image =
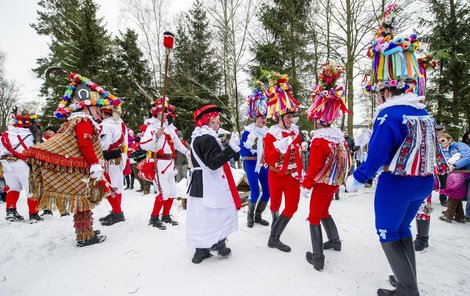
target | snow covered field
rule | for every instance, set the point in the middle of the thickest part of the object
(136, 259)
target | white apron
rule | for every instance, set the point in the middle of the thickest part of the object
(213, 217)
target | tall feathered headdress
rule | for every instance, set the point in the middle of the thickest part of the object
(394, 64)
(256, 103)
(281, 100)
(328, 98)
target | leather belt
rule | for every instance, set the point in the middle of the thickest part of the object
(288, 172)
(251, 158)
(165, 156)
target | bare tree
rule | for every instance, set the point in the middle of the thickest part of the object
(9, 92)
(151, 19)
(232, 19)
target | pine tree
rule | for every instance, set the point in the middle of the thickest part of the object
(128, 68)
(79, 43)
(285, 51)
(449, 90)
(195, 74)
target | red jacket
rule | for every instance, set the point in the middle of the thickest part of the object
(279, 163)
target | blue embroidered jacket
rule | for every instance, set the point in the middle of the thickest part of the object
(389, 133)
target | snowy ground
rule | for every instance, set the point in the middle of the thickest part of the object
(41, 259)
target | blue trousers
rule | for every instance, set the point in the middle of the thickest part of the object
(254, 179)
(397, 199)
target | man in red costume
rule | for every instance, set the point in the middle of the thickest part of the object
(329, 162)
(282, 152)
(13, 142)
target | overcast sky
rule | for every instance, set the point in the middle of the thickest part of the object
(23, 46)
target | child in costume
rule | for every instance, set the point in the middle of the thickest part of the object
(14, 142)
(162, 141)
(404, 144)
(329, 162)
(113, 138)
(252, 152)
(67, 170)
(213, 198)
(282, 153)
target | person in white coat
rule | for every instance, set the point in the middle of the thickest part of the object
(213, 200)
(113, 138)
(162, 141)
(14, 141)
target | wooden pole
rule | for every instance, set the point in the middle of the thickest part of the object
(167, 55)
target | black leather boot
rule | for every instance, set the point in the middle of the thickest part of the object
(396, 253)
(250, 215)
(106, 217)
(260, 207)
(316, 257)
(169, 220)
(332, 234)
(132, 181)
(47, 212)
(13, 215)
(200, 255)
(113, 219)
(422, 238)
(34, 218)
(275, 217)
(276, 231)
(155, 222)
(409, 250)
(222, 248)
(97, 239)
(127, 182)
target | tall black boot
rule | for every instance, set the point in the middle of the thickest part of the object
(132, 181)
(275, 217)
(402, 267)
(250, 215)
(276, 231)
(127, 182)
(409, 248)
(422, 238)
(260, 207)
(316, 257)
(332, 234)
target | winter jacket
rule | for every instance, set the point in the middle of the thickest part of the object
(455, 185)
(458, 147)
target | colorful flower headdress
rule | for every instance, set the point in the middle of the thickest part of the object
(82, 92)
(328, 98)
(394, 63)
(281, 100)
(256, 103)
(24, 119)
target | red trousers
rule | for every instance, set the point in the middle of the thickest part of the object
(159, 203)
(287, 185)
(12, 198)
(322, 195)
